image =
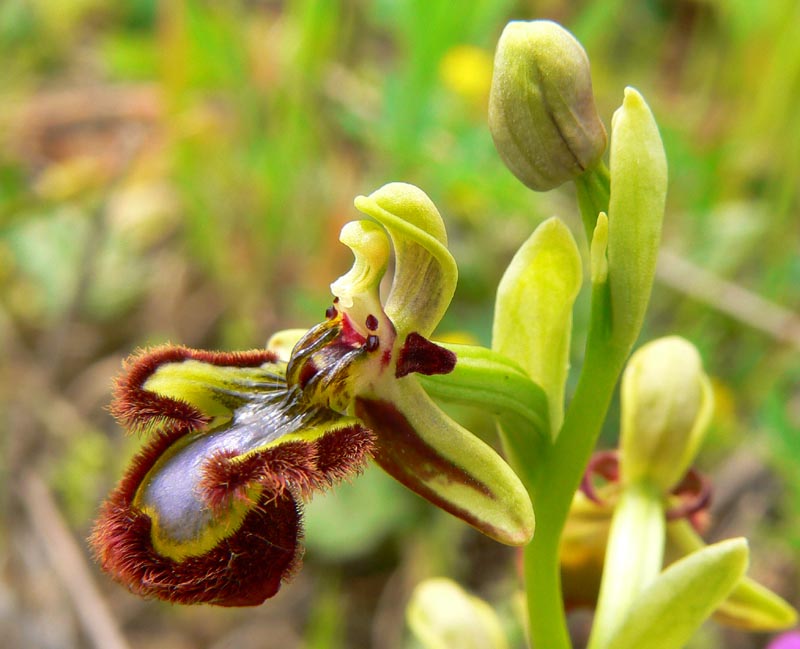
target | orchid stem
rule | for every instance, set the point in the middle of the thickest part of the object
(593, 189)
(565, 460)
(559, 478)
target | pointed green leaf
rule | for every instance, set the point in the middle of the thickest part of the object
(667, 614)
(533, 316)
(421, 447)
(598, 250)
(425, 273)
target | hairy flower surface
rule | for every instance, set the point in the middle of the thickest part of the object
(209, 510)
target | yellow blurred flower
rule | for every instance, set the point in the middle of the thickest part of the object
(466, 70)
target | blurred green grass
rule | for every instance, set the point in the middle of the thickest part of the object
(180, 170)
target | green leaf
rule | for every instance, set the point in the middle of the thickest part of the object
(598, 261)
(667, 614)
(533, 316)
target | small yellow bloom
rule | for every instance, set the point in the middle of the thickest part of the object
(466, 70)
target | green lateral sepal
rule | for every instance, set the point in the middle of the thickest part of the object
(421, 447)
(672, 608)
(750, 605)
(490, 381)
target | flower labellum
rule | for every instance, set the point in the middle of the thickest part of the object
(208, 510)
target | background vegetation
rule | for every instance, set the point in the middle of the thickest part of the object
(180, 170)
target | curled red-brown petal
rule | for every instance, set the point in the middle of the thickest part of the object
(604, 464)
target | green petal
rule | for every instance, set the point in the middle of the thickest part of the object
(754, 607)
(488, 380)
(421, 256)
(282, 342)
(358, 289)
(750, 605)
(533, 316)
(667, 404)
(428, 452)
(634, 554)
(667, 614)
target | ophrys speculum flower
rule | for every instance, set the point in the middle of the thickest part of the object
(209, 511)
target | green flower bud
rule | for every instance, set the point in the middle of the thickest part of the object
(542, 113)
(636, 210)
(442, 615)
(666, 406)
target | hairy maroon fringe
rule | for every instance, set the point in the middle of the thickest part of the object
(138, 409)
(299, 467)
(249, 566)
(243, 570)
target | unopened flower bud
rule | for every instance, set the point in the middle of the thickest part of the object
(542, 113)
(442, 614)
(635, 213)
(666, 406)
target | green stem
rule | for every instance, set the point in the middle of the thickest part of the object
(563, 463)
(558, 480)
(560, 475)
(593, 189)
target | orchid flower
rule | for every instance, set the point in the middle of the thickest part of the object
(654, 501)
(210, 509)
